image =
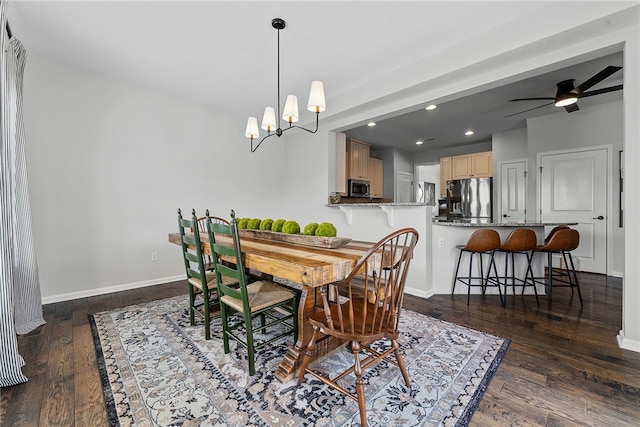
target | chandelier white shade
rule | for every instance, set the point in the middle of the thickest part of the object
(252, 128)
(271, 120)
(290, 112)
(316, 97)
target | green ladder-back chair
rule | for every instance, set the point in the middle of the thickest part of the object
(202, 224)
(203, 294)
(262, 298)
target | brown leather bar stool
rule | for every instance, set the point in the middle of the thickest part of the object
(553, 231)
(520, 241)
(561, 241)
(482, 242)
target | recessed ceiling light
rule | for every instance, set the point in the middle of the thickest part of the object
(469, 133)
(419, 142)
(371, 124)
(431, 107)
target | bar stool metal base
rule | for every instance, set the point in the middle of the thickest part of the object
(529, 279)
(483, 280)
(558, 277)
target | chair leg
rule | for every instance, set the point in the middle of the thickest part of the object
(455, 276)
(207, 315)
(513, 275)
(492, 262)
(401, 365)
(262, 323)
(308, 354)
(192, 310)
(225, 326)
(470, 270)
(530, 273)
(549, 275)
(575, 276)
(355, 347)
(484, 279)
(250, 346)
(506, 273)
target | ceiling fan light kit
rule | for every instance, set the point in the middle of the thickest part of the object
(271, 121)
(567, 95)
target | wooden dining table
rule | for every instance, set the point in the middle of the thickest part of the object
(303, 267)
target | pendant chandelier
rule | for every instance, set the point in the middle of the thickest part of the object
(290, 113)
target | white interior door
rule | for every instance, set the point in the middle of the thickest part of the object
(573, 188)
(513, 191)
(404, 187)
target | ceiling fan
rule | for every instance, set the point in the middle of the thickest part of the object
(567, 94)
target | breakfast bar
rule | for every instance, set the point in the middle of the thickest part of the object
(449, 233)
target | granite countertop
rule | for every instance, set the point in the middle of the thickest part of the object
(375, 204)
(463, 223)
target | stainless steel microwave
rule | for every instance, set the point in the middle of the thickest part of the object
(358, 188)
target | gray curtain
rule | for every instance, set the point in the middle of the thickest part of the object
(20, 301)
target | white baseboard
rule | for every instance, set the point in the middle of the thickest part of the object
(617, 274)
(418, 292)
(627, 344)
(110, 289)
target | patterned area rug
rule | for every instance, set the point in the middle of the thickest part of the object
(157, 370)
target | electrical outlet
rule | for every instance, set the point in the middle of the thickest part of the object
(441, 243)
(155, 256)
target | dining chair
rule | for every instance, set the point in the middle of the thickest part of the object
(203, 294)
(274, 304)
(363, 308)
(202, 226)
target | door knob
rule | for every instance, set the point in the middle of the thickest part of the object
(505, 215)
(599, 217)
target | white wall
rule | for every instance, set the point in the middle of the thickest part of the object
(509, 145)
(110, 163)
(596, 126)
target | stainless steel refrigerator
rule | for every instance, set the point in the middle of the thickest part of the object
(469, 200)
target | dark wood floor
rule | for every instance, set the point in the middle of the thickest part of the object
(563, 366)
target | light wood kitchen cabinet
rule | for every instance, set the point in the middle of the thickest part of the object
(445, 175)
(482, 165)
(475, 165)
(376, 177)
(341, 164)
(357, 160)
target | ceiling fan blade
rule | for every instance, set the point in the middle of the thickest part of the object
(597, 78)
(571, 108)
(531, 99)
(530, 109)
(600, 91)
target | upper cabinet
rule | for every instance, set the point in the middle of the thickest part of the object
(445, 175)
(341, 164)
(475, 165)
(376, 176)
(357, 160)
(482, 165)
